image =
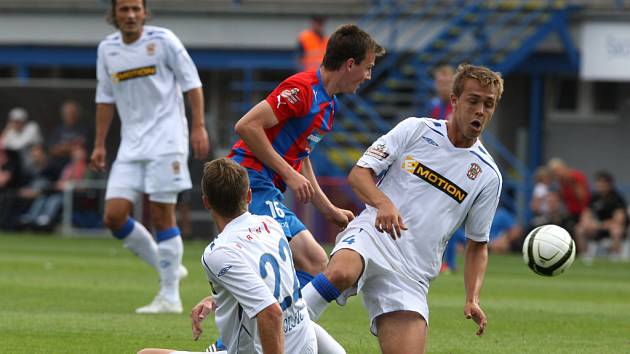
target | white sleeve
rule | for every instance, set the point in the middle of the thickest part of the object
(180, 62)
(227, 267)
(479, 219)
(386, 149)
(104, 91)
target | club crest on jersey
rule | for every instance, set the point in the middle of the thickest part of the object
(378, 151)
(290, 96)
(176, 167)
(151, 48)
(435, 179)
(473, 171)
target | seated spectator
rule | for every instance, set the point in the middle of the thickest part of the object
(10, 169)
(20, 134)
(604, 218)
(543, 178)
(45, 210)
(573, 187)
(69, 134)
(44, 175)
(555, 214)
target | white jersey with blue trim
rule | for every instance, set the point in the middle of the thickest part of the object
(145, 80)
(250, 266)
(436, 187)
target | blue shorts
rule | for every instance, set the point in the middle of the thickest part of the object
(267, 200)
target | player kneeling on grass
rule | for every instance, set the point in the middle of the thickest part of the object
(437, 175)
(256, 296)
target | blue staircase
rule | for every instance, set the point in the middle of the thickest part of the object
(424, 34)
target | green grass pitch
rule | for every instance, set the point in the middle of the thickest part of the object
(78, 295)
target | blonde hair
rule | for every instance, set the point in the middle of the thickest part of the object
(485, 76)
(225, 184)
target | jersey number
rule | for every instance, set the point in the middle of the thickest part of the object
(285, 255)
(275, 209)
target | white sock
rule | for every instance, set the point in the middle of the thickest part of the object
(315, 303)
(326, 344)
(170, 258)
(142, 244)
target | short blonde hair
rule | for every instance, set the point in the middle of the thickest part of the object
(485, 76)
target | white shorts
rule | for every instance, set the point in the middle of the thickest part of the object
(384, 289)
(162, 179)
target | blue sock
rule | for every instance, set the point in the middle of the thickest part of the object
(325, 288)
(125, 230)
(303, 278)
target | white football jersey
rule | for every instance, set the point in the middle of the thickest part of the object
(250, 266)
(435, 186)
(145, 80)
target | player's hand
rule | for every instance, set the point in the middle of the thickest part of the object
(389, 220)
(473, 311)
(97, 160)
(199, 313)
(339, 217)
(200, 144)
(300, 186)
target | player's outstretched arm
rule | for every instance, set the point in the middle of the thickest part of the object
(340, 217)
(475, 266)
(198, 134)
(199, 313)
(104, 116)
(269, 323)
(388, 218)
(251, 128)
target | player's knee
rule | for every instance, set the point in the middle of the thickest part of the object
(341, 277)
(114, 220)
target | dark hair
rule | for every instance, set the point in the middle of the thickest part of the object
(225, 184)
(111, 13)
(605, 176)
(349, 41)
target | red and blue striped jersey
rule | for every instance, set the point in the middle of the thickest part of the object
(305, 113)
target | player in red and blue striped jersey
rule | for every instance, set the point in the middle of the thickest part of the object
(279, 133)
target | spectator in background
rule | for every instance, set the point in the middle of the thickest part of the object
(20, 134)
(555, 213)
(44, 175)
(312, 45)
(573, 187)
(605, 217)
(70, 134)
(542, 187)
(443, 81)
(44, 211)
(10, 169)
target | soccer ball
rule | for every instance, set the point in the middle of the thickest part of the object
(548, 250)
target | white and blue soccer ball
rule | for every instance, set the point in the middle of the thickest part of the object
(548, 250)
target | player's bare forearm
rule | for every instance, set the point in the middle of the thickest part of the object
(362, 182)
(475, 264)
(320, 200)
(195, 100)
(104, 116)
(199, 134)
(251, 128)
(269, 323)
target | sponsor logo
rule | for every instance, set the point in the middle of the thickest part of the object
(473, 171)
(177, 168)
(290, 96)
(134, 73)
(378, 151)
(151, 48)
(224, 271)
(435, 179)
(430, 141)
